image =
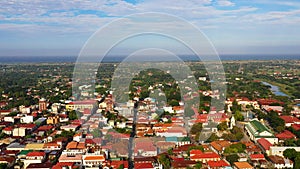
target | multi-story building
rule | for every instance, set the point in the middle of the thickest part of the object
(81, 105)
(53, 120)
(42, 104)
(257, 130)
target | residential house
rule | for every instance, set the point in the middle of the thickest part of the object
(222, 164)
(63, 118)
(5, 112)
(117, 164)
(35, 157)
(34, 146)
(290, 120)
(28, 127)
(64, 165)
(74, 148)
(296, 110)
(15, 146)
(285, 135)
(258, 160)
(265, 145)
(205, 157)
(269, 102)
(219, 146)
(182, 150)
(77, 137)
(53, 120)
(145, 148)
(183, 164)
(207, 118)
(76, 159)
(164, 146)
(46, 165)
(175, 131)
(70, 127)
(144, 166)
(19, 132)
(9, 119)
(276, 150)
(280, 162)
(9, 160)
(139, 161)
(52, 146)
(268, 108)
(93, 160)
(179, 141)
(242, 165)
(26, 119)
(251, 148)
(8, 130)
(244, 102)
(45, 129)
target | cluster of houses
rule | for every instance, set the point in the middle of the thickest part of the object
(48, 136)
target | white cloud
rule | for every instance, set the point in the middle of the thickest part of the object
(225, 3)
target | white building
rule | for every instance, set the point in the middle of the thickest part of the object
(26, 119)
(275, 150)
(257, 130)
(9, 119)
(34, 158)
(93, 160)
(24, 110)
(19, 132)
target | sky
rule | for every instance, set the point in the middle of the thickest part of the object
(62, 27)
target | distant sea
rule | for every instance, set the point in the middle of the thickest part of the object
(61, 59)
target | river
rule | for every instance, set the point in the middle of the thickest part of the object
(275, 89)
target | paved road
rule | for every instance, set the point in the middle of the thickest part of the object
(242, 126)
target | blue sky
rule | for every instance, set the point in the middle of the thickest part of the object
(61, 27)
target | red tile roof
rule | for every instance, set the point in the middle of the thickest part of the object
(264, 143)
(285, 135)
(296, 126)
(8, 128)
(208, 155)
(72, 145)
(268, 101)
(195, 152)
(60, 165)
(36, 153)
(290, 119)
(220, 163)
(87, 111)
(143, 165)
(45, 128)
(257, 157)
(27, 126)
(11, 152)
(116, 164)
(183, 164)
(7, 159)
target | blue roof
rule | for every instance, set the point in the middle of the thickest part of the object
(171, 139)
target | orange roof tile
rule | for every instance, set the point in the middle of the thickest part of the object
(95, 158)
(81, 146)
(72, 145)
(241, 165)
